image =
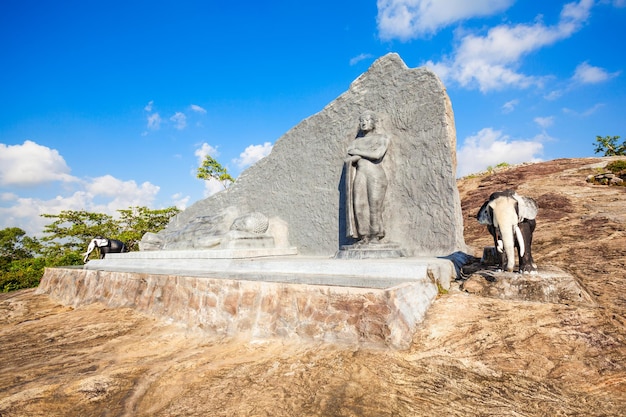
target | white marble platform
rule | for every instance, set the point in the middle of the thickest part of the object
(230, 253)
(230, 264)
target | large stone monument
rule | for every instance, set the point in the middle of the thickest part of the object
(368, 181)
(302, 183)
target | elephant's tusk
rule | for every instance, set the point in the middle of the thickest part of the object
(500, 246)
(520, 240)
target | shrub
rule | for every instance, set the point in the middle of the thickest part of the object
(617, 167)
(23, 273)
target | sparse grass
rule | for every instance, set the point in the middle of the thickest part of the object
(490, 170)
(617, 167)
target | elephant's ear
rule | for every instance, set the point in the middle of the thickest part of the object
(526, 207)
(484, 214)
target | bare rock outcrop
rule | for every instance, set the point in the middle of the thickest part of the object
(472, 356)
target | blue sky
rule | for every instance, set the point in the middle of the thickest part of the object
(107, 105)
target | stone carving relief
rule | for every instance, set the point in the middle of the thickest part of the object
(227, 229)
(254, 222)
(412, 131)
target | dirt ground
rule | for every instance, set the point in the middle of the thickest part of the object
(472, 356)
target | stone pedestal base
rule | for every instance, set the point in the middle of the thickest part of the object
(370, 251)
(374, 302)
(256, 309)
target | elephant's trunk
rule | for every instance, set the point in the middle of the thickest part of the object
(505, 219)
(90, 248)
(509, 246)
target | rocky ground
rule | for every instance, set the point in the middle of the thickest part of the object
(473, 356)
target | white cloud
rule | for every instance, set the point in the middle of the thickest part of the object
(544, 122)
(148, 106)
(212, 186)
(509, 106)
(26, 213)
(490, 61)
(109, 186)
(197, 109)
(553, 95)
(584, 74)
(204, 150)
(32, 164)
(180, 120)
(407, 19)
(180, 201)
(584, 113)
(252, 154)
(154, 121)
(102, 195)
(573, 14)
(8, 196)
(592, 110)
(490, 147)
(588, 74)
(360, 58)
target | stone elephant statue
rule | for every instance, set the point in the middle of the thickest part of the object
(510, 218)
(105, 246)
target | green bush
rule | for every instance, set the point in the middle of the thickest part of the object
(26, 273)
(617, 167)
(22, 273)
(23, 259)
(68, 259)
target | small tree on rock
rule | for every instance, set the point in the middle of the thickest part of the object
(609, 146)
(210, 168)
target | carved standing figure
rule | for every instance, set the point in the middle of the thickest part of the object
(366, 182)
(105, 246)
(510, 218)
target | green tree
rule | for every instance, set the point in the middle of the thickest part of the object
(72, 230)
(136, 221)
(14, 244)
(609, 146)
(23, 259)
(210, 168)
(18, 266)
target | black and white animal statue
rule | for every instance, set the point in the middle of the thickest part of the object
(510, 218)
(105, 246)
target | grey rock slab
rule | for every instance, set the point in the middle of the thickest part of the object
(548, 285)
(302, 180)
